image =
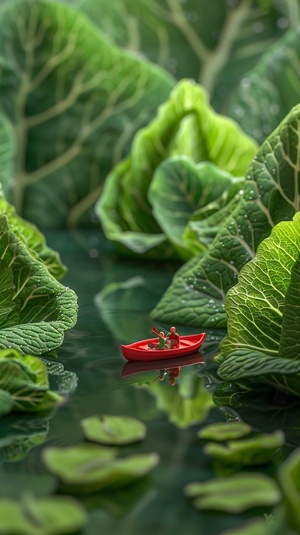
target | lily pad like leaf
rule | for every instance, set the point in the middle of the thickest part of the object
(86, 468)
(55, 515)
(222, 431)
(235, 494)
(197, 293)
(252, 451)
(114, 430)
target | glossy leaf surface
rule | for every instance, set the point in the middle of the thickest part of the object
(263, 310)
(185, 125)
(271, 194)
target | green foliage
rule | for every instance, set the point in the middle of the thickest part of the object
(55, 515)
(74, 101)
(33, 240)
(187, 126)
(223, 431)
(197, 293)
(214, 46)
(186, 404)
(20, 434)
(235, 494)
(86, 468)
(24, 384)
(285, 516)
(35, 309)
(113, 430)
(270, 89)
(288, 476)
(263, 314)
(251, 451)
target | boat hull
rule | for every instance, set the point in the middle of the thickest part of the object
(140, 351)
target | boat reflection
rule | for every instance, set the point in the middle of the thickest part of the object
(165, 368)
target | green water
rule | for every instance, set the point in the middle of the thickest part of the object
(173, 415)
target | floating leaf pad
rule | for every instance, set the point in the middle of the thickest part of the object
(57, 515)
(235, 494)
(251, 451)
(86, 468)
(115, 430)
(222, 431)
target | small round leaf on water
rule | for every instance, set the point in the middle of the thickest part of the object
(55, 515)
(222, 431)
(235, 494)
(86, 468)
(114, 430)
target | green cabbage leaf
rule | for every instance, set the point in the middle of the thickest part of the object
(35, 309)
(263, 340)
(75, 101)
(197, 293)
(132, 207)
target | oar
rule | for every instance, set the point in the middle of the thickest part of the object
(155, 331)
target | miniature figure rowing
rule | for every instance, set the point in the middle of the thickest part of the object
(169, 346)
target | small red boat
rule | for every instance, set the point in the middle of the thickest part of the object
(140, 350)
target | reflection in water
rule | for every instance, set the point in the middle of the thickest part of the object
(162, 366)
(19, 435)
(188, 402)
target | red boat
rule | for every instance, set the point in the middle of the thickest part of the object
(140, 350)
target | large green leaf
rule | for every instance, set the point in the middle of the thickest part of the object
(185, 125)
(35, 309)
(180, 191)
(271, 194)
(33, 240)
(7, 151)
(268, 91)
(263, 341)
(221, 43)
(25, 378)
(75, 101)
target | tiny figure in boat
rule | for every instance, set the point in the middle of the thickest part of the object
(162, 341)
(173, 338)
